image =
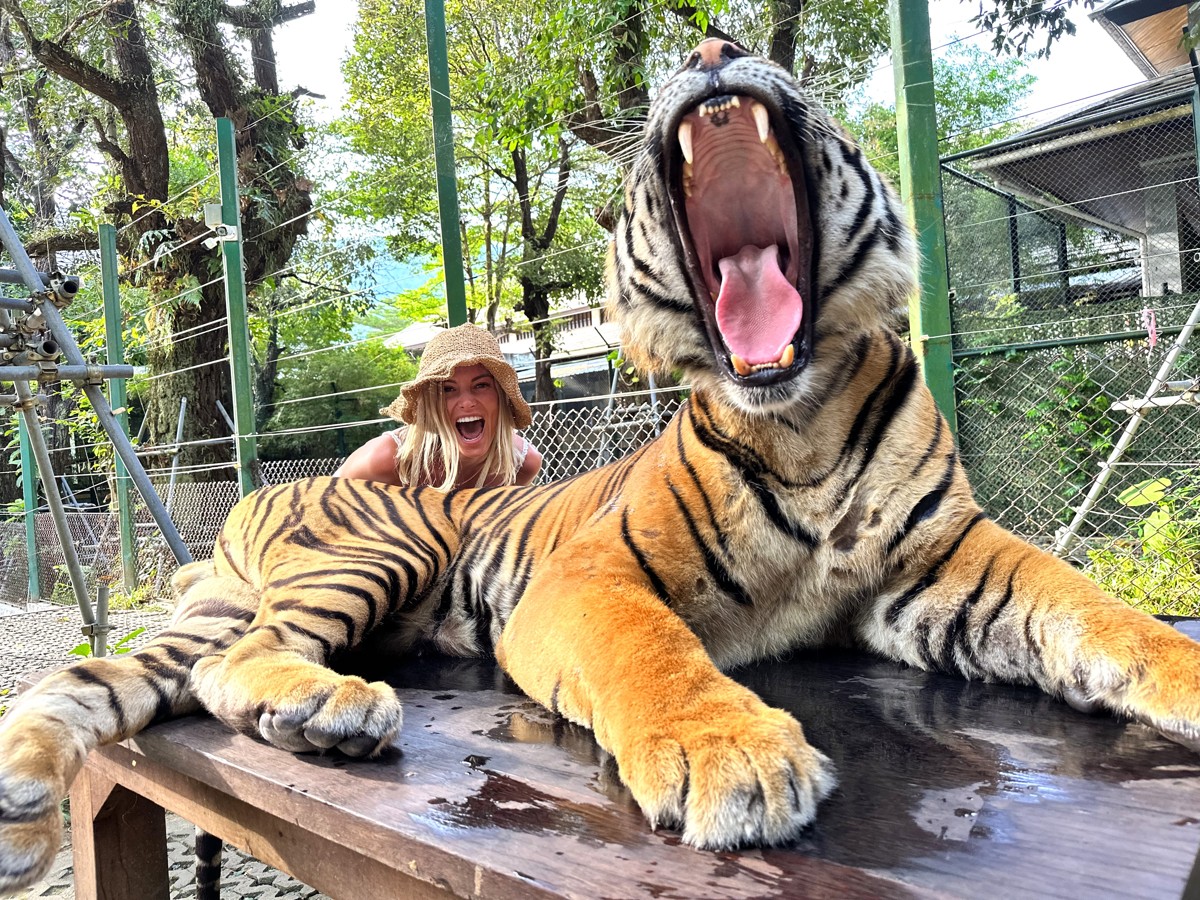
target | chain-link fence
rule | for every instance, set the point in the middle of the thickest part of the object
(573, 436)
(1075, 264)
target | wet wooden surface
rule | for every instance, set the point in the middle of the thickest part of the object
(947, 788)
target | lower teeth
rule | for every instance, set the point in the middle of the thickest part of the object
(744, 368)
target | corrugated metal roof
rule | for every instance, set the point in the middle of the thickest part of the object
(1170, 90)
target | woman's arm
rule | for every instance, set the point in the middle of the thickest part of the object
(530, 467)
(373, 461)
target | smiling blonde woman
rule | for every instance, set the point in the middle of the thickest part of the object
(461, 415)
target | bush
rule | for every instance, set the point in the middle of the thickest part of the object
(326, 390)
(1156, 568)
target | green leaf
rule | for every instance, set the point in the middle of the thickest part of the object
(126, 639)
(1145, 493)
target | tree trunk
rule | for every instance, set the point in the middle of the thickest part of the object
(194, 366)
(786, 16)
(536, 305)
(536, 287)
(188, 356)
(543, 384)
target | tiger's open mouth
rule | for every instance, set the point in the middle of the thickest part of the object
(741, 205)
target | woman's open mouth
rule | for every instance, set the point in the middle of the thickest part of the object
(470, 428)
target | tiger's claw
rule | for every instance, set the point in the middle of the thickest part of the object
(299, 707)
(727, 784)
(357, 718)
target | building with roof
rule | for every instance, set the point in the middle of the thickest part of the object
(584, 338)
(1100, 203)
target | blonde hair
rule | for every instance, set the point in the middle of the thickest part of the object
(429, 450)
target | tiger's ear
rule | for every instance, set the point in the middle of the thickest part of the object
(190, 574)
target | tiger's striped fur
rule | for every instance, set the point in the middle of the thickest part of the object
(818, 499)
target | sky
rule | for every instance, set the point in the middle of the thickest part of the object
(311, 49)
(1079, 67)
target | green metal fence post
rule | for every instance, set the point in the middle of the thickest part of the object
(29, 475)
(921, 188)
(1193, 24)
(115, 344)
(230, 234)
(443, 148)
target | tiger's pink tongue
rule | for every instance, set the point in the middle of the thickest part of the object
(758, 311)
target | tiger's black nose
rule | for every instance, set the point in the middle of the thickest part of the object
(712, 53)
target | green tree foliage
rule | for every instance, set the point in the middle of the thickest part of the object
(1015, 23)
(599, 64)
(977, 96)
(425, 303)
(309, 305)
(549, 99)
(525, 246)
(344, 384)
(132, 83)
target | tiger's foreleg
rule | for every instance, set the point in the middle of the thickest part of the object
(275, 682)
(333, 558)
(591, 641)
(993, 607)
(47, 735)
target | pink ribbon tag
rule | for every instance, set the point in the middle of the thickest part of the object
(1150, 323)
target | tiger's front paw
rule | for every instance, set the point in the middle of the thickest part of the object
(358, 718)
(30, 824)
(1151, 674)
(730, 778)
(302, 707)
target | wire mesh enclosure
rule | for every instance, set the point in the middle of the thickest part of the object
(573, 436)
(1075, 267)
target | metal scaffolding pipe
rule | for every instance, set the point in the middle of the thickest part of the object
(58, 328)
(175, 449)
(11, 399)
(47, 279)
(179, 425)
(22, 306)
(41, 455)
(64, 373)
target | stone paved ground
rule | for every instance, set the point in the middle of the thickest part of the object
(42, 639)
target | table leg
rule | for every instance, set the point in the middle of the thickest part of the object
(119, 842)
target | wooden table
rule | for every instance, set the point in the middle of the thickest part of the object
(947, 789)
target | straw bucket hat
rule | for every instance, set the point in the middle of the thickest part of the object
(466, 345)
